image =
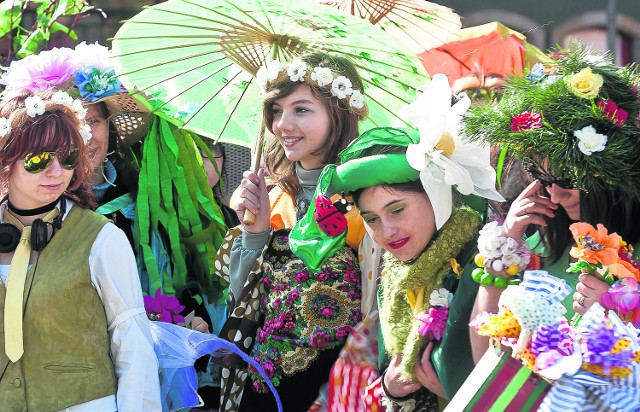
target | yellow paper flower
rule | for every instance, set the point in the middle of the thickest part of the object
(585, 83)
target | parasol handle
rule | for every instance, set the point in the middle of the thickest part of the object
(249, 218)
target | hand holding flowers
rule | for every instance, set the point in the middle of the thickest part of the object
(606, 257)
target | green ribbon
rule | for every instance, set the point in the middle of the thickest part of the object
(175, 200)
(116, 204)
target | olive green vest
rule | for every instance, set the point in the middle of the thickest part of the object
(66, 348)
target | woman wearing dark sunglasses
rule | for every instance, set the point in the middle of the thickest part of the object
(74, 335)
(573, 124)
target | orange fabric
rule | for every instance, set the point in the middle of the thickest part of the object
(490, 49)
(283, 215)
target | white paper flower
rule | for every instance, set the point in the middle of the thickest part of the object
(341, 87)
(322, 76)
(268, 73)
(85, 133)
(35, 106)
(5, 126)
(590, 141)
(95, 55)
(296, 71)
(79, 109)
(440, 297)
(356, 100)
(61, 97)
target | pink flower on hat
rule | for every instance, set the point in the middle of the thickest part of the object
(41, 71)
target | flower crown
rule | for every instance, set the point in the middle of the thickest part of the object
(579, 111)
(298, 71)
(36, 106)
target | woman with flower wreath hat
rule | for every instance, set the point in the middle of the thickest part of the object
(402, 182)
(299, 317)
(73, 330)
(117, 121)
(574, 124)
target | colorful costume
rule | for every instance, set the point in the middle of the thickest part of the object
(302, 317)
(439, 160)
(54, 376)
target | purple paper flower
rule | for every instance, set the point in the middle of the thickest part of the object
(434, 322)
(163, 308)
(40, 71)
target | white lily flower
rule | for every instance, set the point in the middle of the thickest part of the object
(441, 156)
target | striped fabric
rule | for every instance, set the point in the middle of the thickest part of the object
(588, 392)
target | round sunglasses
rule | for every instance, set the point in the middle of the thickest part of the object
(38, 162)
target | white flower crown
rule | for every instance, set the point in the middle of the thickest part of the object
(35, 106)
(341, 86)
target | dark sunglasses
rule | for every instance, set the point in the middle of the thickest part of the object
(547, 180)
(37, 162)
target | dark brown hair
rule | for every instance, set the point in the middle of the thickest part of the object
(344, 119)
(56, 130)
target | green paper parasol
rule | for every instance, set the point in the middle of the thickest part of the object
(196, 63)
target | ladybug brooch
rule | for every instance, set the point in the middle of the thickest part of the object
(330, 216)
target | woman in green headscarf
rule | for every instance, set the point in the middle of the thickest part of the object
(402, 181)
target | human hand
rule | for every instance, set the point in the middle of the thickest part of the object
(588, 291)
(253, 196)
(394, 383)
(530, 208)
(200, 325)
(425, 373)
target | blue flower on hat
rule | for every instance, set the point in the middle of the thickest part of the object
(94, 84)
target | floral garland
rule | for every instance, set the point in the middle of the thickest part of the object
(298, 71)
(401, 331)
(36, 106)
(579, 111)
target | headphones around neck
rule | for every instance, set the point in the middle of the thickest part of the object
(10, 234)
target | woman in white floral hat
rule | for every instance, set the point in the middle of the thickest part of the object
(312, 105)
(74, 332)
(573, 123)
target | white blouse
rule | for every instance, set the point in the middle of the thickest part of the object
(115, 277)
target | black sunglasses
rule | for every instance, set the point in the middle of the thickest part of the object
(37, 162)
(547, 180)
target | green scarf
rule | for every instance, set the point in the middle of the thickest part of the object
(406, 288)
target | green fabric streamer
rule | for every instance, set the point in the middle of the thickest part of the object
(175, 201)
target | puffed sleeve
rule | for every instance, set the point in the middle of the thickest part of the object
(115, 277)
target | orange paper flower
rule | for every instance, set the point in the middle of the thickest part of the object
(594, 246)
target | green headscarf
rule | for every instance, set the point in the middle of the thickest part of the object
(367, 161)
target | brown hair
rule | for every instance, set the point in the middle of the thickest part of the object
(344, 119)
(56, 130)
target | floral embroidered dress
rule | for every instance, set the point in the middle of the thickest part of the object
(305, 312)
(302, 318)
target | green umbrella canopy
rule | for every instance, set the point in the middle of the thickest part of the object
(196, 63)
